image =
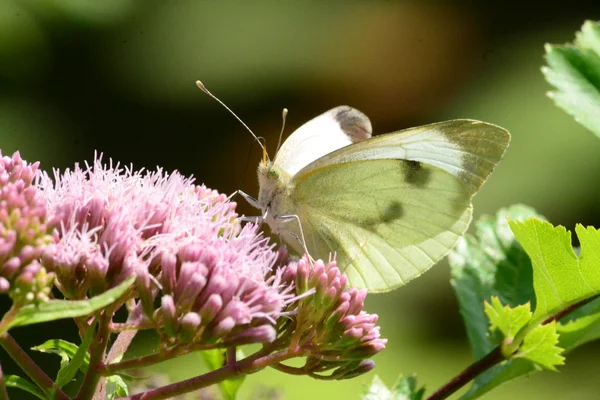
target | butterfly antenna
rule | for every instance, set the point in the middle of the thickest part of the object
(283, 118)
(205, 90)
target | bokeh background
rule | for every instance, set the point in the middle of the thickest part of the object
(117, 76)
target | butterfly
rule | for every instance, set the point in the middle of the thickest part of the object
(390, 206)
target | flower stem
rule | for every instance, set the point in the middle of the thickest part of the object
(29, 366)
(246, 366)
(289, 370)
(92, 377)
(3, 391)
(144, 361)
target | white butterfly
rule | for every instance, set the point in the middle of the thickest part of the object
(391, 206)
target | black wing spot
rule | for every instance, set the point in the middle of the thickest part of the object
(415, 173)
(390, 213)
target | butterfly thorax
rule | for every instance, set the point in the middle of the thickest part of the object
(273, 195)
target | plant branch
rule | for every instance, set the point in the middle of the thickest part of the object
(3, 391)
(92, 377)
(494, 357)
(289, 370)
(468, 374)
(29, 366)
(143, 361)
(568, 310)
(246, 366)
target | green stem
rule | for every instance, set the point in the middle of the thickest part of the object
(37, 375)
(3, 391)
(92, 375)
(246, 366)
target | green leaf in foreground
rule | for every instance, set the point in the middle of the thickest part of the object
(66, 350)
(215, 359)
(67, 372)
(560, 277)
(404, 389)
(13, 381)
(492, 263)
(574, 70)
(506, 319)
(538, 346)
(59, 309)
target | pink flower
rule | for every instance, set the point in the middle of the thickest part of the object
(331, 322)
(183, 242)
(24, 232)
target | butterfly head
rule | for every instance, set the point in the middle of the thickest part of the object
(272, 182)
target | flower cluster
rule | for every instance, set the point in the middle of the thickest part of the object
(183, 242)
(202, 280)
(24, 232)
(330, 321)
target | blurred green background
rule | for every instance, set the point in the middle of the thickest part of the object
(118, 76)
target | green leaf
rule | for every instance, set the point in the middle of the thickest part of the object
(377, 390)
(116, 387)
(490, 264)
(66, 350)
(581, 326)
(67, 373)
(404, 389)
(59, 309)
(574, 70)
(560, 277)
(506, 319)
(540, 346)
(215, 359)
(17, 382)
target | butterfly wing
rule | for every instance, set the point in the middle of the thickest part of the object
(393, 206)
(334, 129)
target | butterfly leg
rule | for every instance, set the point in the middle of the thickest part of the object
(251, 200)
(255, 220)
(254, 203)
(288, 218)
(260, 220)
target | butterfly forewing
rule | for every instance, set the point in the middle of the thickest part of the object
(465, 148)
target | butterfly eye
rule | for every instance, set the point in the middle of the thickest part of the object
(274, 174)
